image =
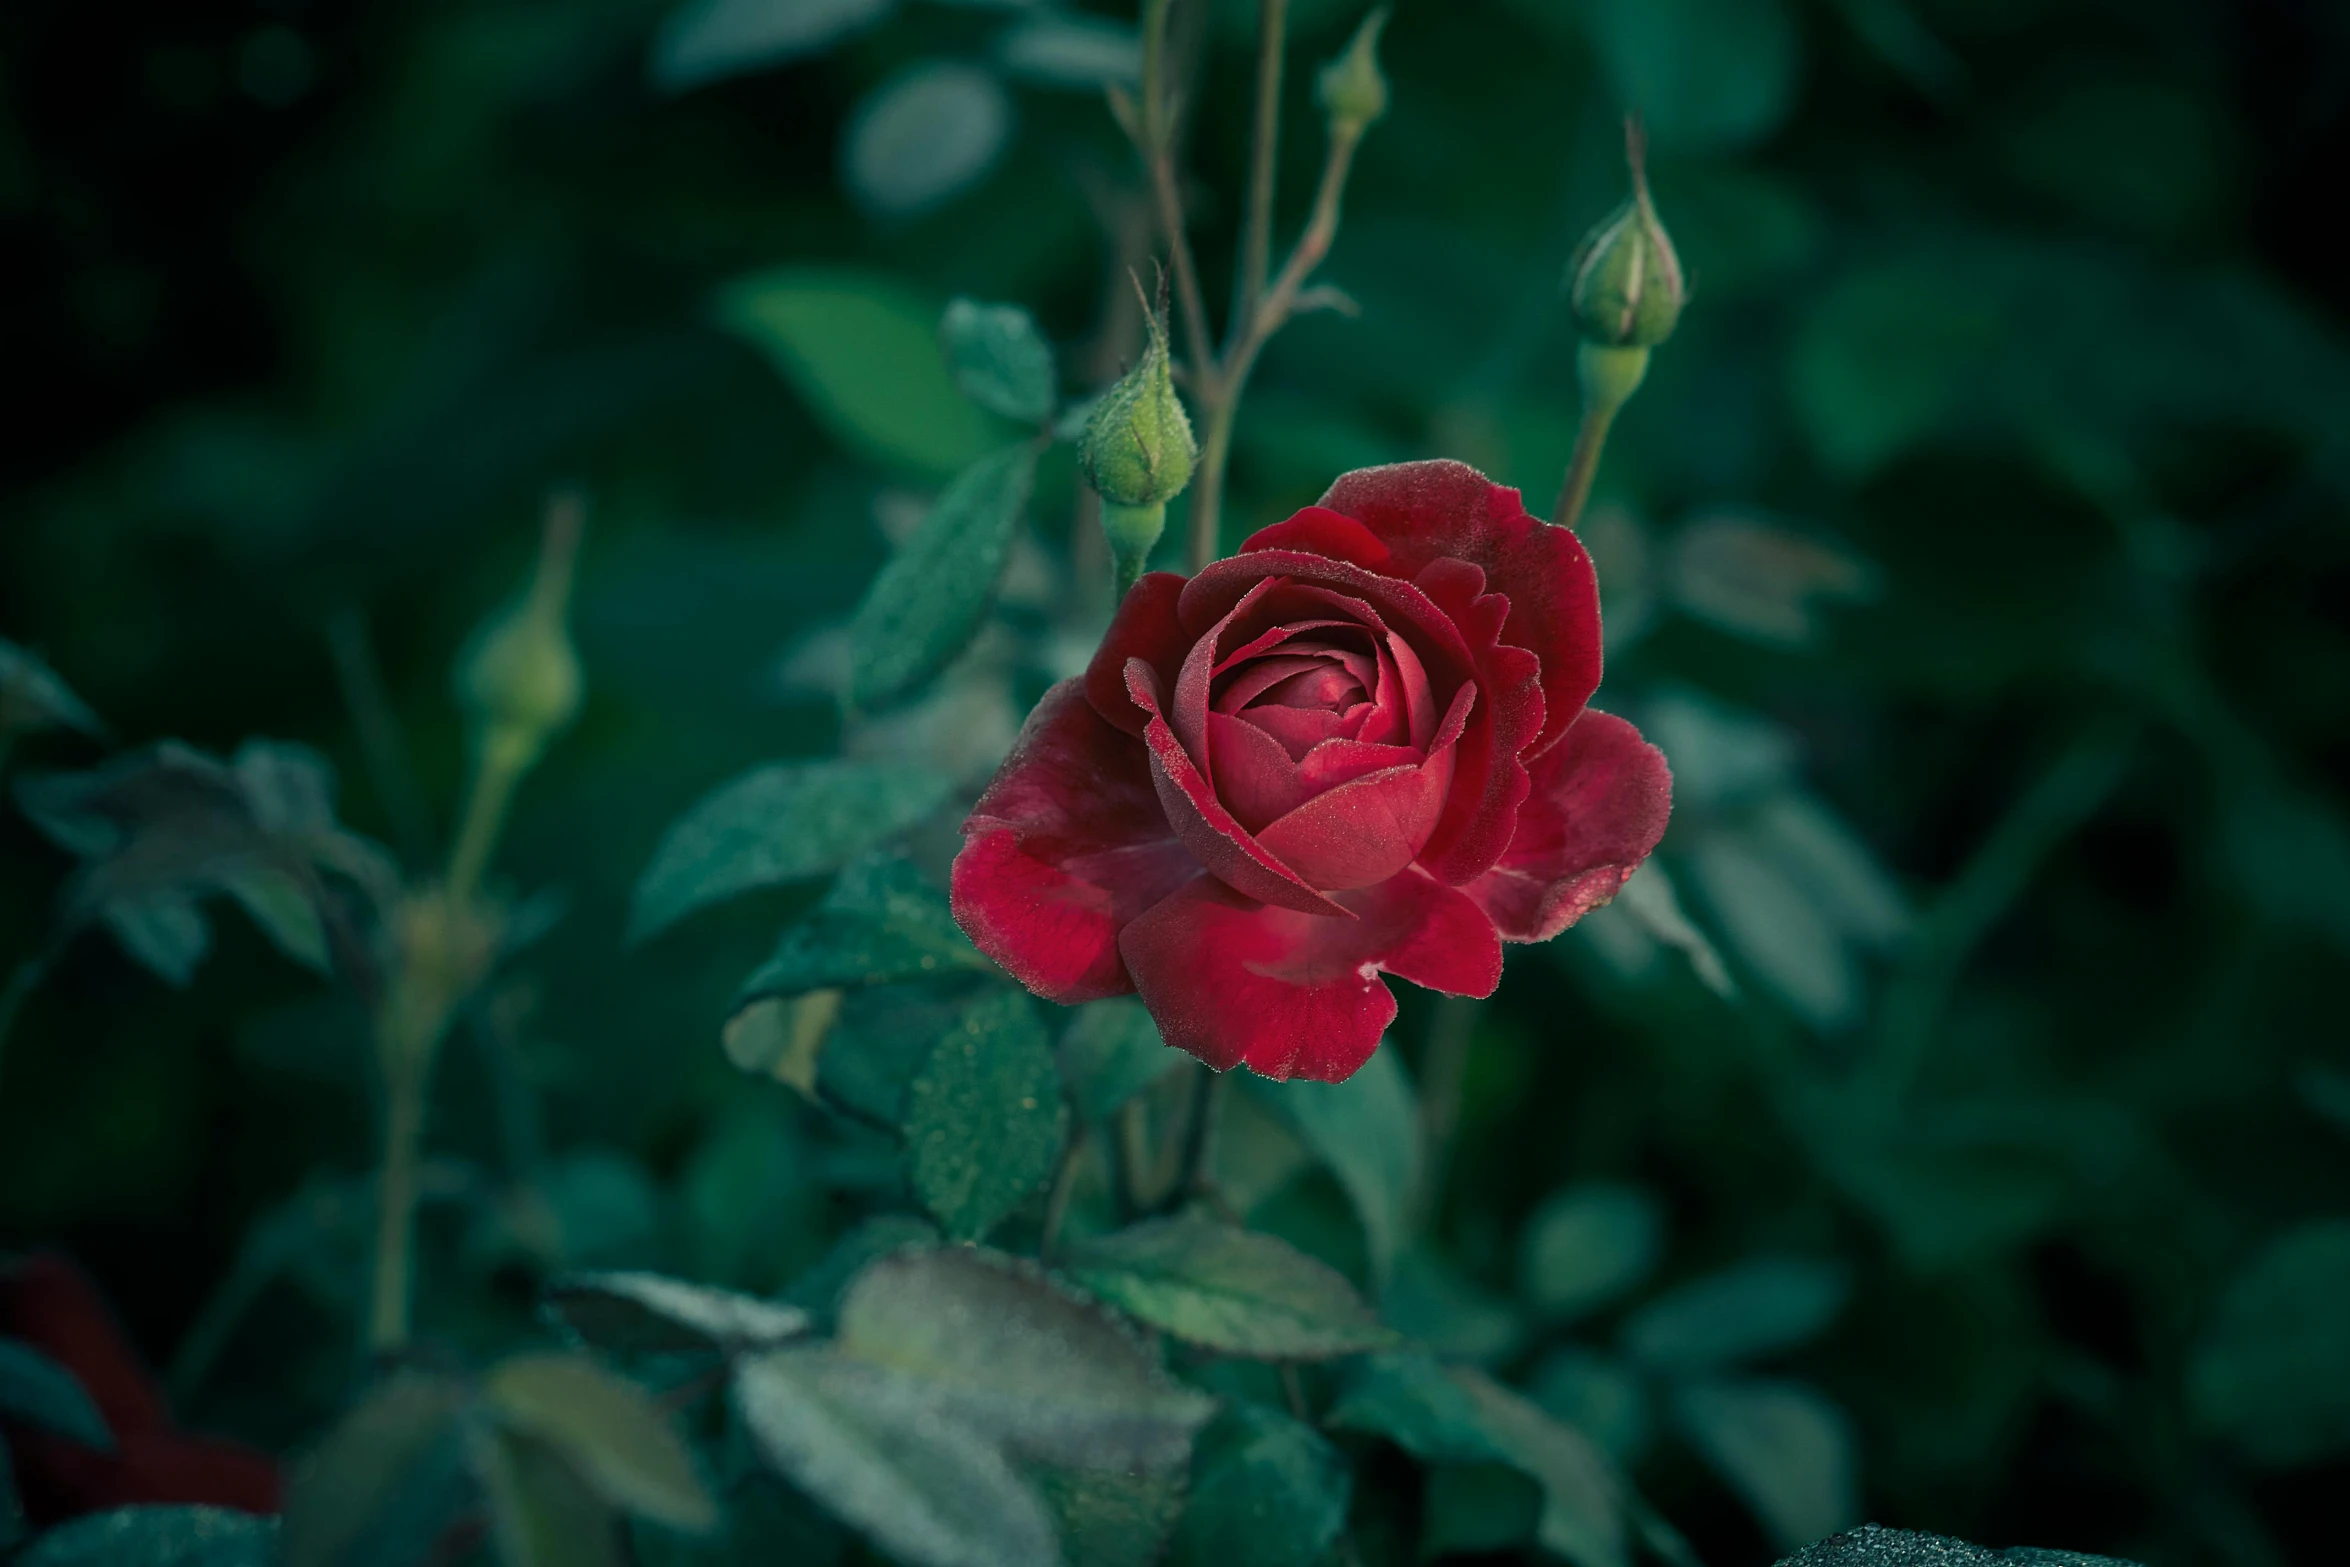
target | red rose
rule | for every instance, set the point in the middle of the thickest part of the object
(1358, 746)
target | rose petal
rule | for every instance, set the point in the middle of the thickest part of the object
(1365, 830)
(1145, 627)
(1068, 844)
(1207, 829)
(1297, 730)
(1482, 813)
(1601, 796)
(1320, 531)
(1237, 982)
(1425, 511)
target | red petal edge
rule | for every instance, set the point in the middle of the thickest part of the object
(1426, 511)
(1239, 983)
(1067, 845)
(1601, 798)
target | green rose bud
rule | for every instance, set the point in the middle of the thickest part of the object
(519, 678)
(1625, 283)
(1138, 449)
(1351, 88)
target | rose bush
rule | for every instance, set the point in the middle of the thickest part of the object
(1359, 746)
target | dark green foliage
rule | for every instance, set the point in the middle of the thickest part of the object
(1947, 1127)
(780, 823)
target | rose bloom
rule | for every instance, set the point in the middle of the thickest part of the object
(1359, 746)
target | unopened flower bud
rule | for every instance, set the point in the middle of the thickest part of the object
(1625, 283)
(519, 679)
(1138, 450)
(1351, 88)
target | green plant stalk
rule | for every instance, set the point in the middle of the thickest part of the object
(1219, 394)
(408, 1069)
(1126, 527)
(1609, 377)
(1196, 1175)
(502, 763)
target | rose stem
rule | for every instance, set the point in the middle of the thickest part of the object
(1590, 440)
(1260, 308)
(1196, 1179)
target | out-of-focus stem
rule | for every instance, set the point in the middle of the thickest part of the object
(1196, 1175)
(1256, 241)
(406, 1074)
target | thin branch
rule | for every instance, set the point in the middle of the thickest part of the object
(1256, 244)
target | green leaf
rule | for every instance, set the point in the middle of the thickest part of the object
(1597, 1395)
(387, 1480)
(782, 822)
(1071, 50)
(1475, 1508)
(1005, 1350)
(1238, 1291)
(819, 1291)
(619, 1439)
(707, 40)
(1367, 1130)
(862, 349)
(1874, 1545)
(165, 826)
(924, 1487)
(931, 596)
(984, 1115)
(1110, 1053)
(881, 923)
(1587, 1246)
(1106, 1518)
(1700, 73)
(999, 359)
(1757, 1308)
(543, 1511)
(648, 1314)
(158, 1537)
(928, 133)
(33, 697)
(1433, 1303)
(2273, 1371)
(1454, 1415)
(281, 906)
(1266, 1491)
(1788, 1452)
(38, 1391)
